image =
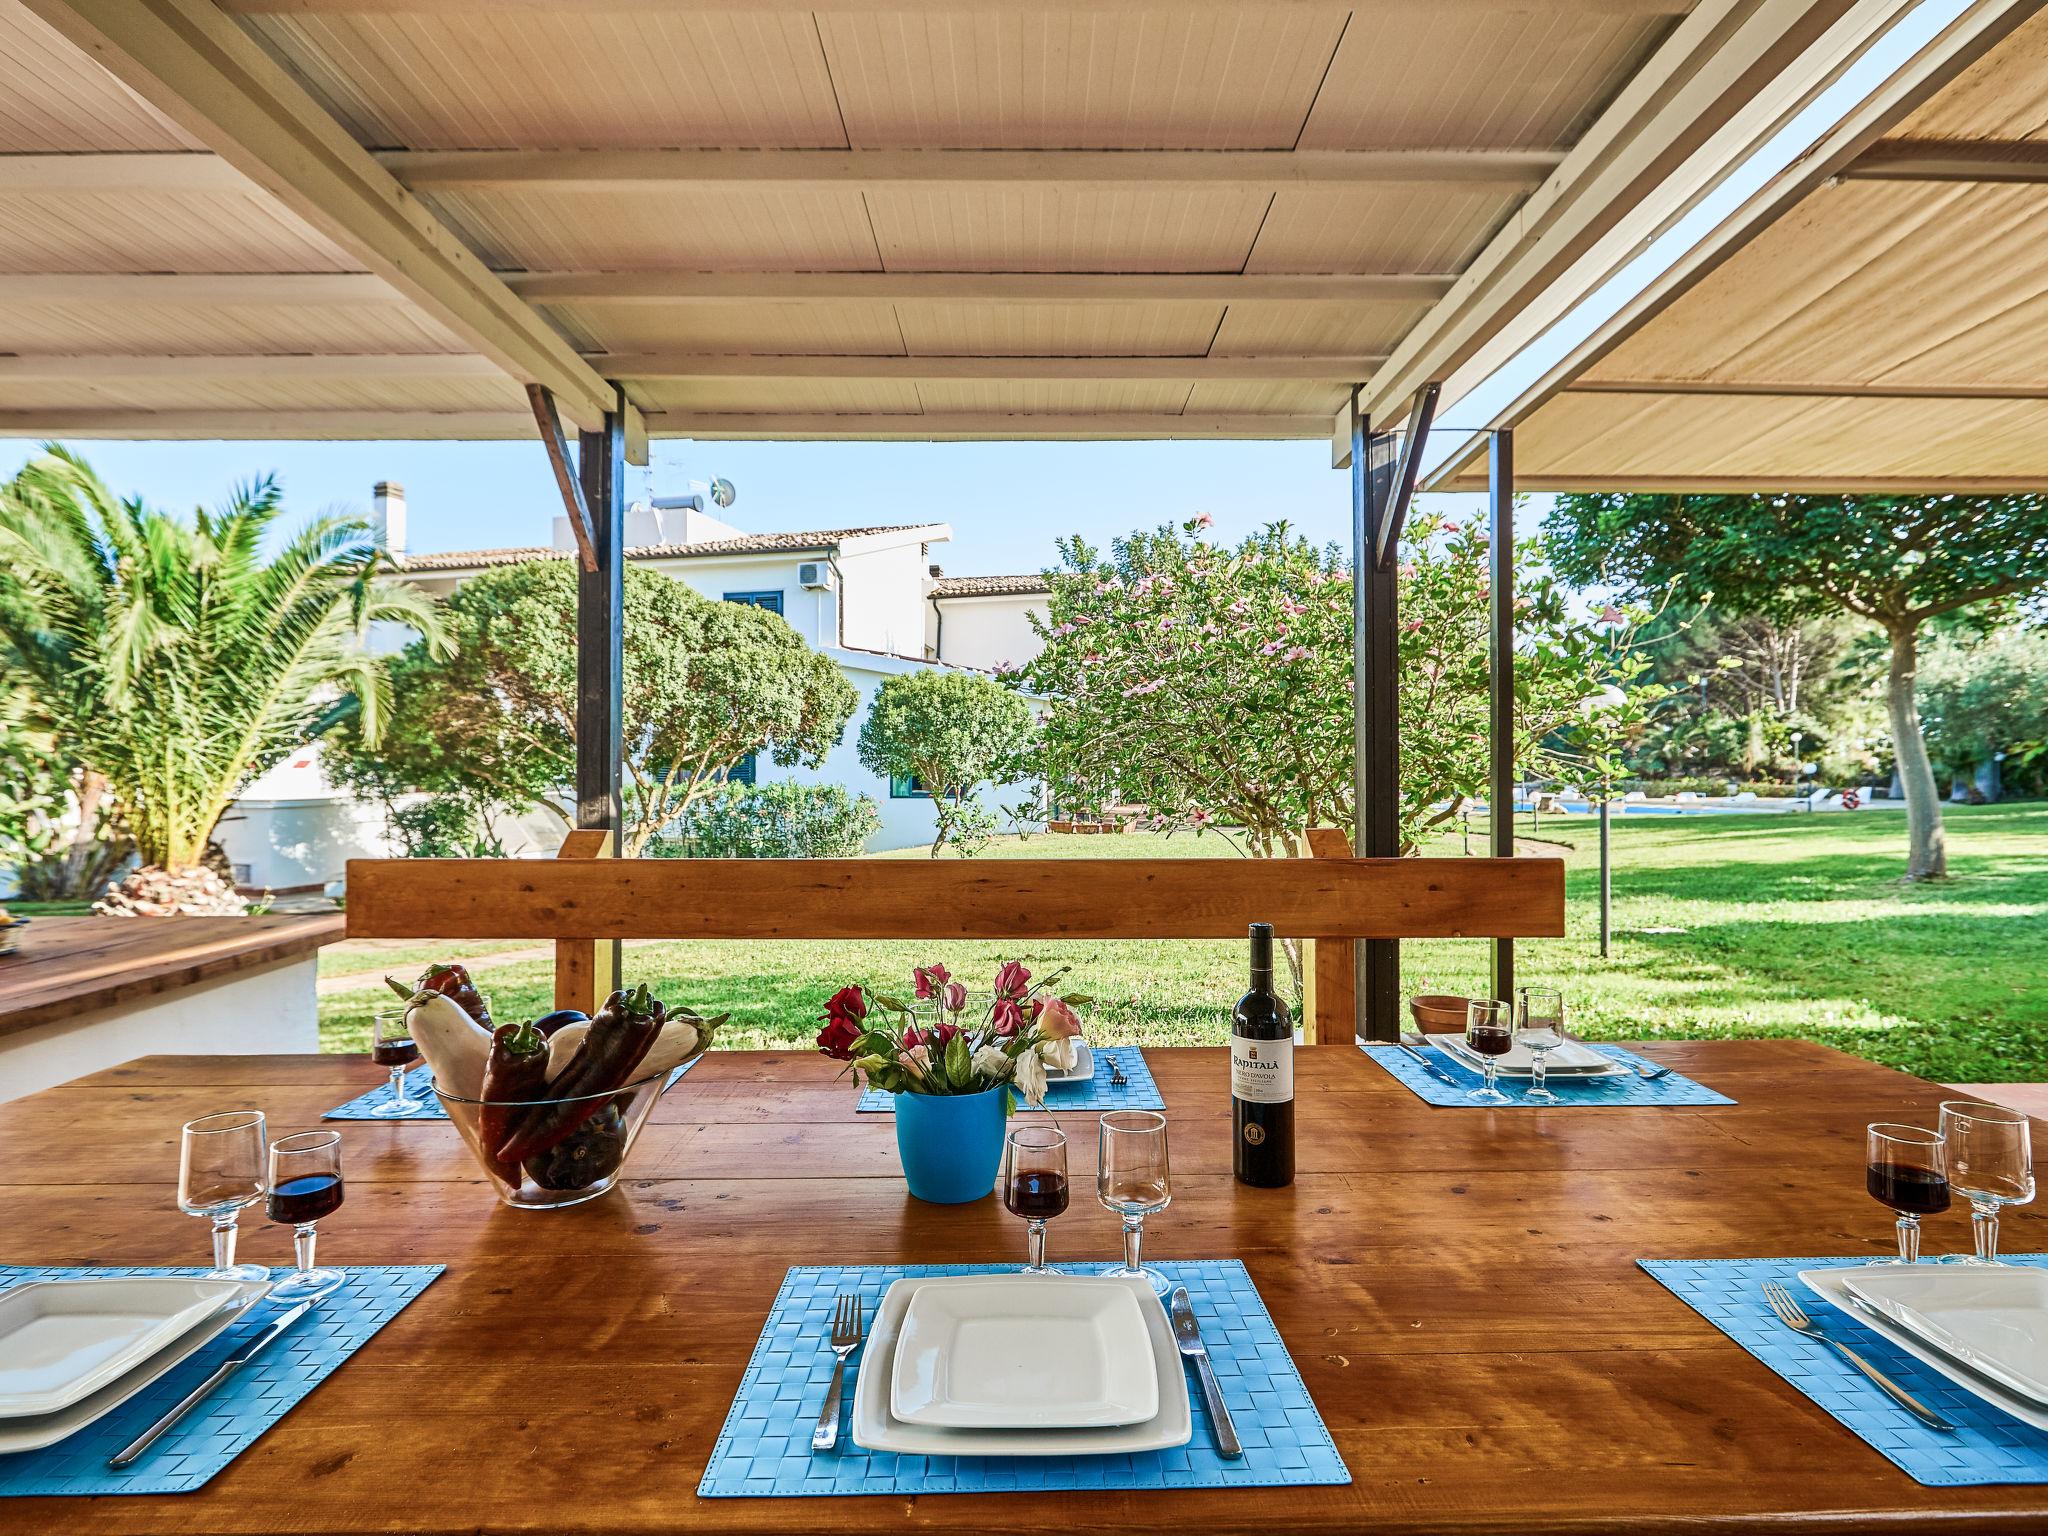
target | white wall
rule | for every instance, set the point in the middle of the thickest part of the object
(269, 1009)
(989, 632)
(883, 589)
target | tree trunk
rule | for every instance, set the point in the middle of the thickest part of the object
(1927, 857)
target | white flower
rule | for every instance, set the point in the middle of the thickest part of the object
(1059, 1052)
(991, 1062)
(1031, 1078)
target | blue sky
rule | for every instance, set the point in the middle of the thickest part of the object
(1006, 501)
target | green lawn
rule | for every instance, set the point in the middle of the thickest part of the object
(1785, 925)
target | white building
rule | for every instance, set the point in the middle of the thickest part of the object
(869, 598)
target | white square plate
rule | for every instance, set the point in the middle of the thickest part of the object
(1569, 1060)
(1084, 1066)
(1023, 1352)
(877, 1429)
(1992, 1318)
(61, 1340)
(1833, 1286)
(32, 1434)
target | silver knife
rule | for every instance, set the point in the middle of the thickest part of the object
(1187, 1333)
(1429, 1066)
(228, 1367)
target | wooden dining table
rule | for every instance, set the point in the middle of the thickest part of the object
(1458, 1287)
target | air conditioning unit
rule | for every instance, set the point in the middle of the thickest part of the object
(815, 575)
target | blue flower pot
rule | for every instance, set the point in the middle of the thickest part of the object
(951, 1144)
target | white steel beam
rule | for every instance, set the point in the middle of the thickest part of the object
(678, 287)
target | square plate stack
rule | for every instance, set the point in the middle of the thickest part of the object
(1020, 1365)
(72, 1351)
(1569, 1061)
(1982, 1326)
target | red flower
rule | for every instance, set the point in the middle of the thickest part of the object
(1006, 1016)
(1012, 980)
(930, 978)
(843, 1014)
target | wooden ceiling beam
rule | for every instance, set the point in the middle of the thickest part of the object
(54, 368)
(641, 170)
(2012, 162)
(126, 171)
(223, 290)
(1072, 426)
(194, 64)
(1805, 389)
(1084, 7)
(283, 423)
(698, 365)
(675, 287)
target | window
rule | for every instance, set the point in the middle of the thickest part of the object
(772, 601)
(741, 772)
(906, 786)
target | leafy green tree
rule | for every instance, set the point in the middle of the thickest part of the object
(955, 732)
(706, 684)
(55, 824)
(1980, 697)
(1213, 686)
(173, 657)
(1896, 561)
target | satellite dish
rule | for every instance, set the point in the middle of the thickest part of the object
(722, 492)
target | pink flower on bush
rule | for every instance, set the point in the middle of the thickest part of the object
(1296, 654)
(1198, 817)
(1412, 626)
(1204, 520)
(1611, 615)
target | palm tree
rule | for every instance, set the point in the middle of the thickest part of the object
(173, 657)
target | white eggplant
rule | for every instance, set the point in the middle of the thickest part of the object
(455, 1045)
(562, 1047)
(679, 1041)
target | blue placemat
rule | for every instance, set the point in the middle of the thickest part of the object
(240, 1409)
(1097, 1093)
(1989, 1446)
(1633, 1092)
(419, 1084)
(764, 1450)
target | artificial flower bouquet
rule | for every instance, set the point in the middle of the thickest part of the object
(948, 1041)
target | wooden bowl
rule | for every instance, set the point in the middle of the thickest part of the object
(1438, 1013)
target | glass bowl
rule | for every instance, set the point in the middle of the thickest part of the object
(580, 1168)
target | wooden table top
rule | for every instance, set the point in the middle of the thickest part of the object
(1457, 1286)
(72, 965)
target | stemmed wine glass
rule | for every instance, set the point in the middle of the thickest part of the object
(1990, 1159)
(1539, 1025)
(1035, 1185)
(1906, 1168)
(392, 1045)
(305, 1184)
(1132, 1179)
(1490, 1032)
(220, 1170)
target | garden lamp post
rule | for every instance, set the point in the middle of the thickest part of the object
(1609, 697)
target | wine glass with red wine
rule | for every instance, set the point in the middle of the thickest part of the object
(1907, 1170)
(392, 1045)
(1035, 1185)
(1490, 1033)
(305, 1184)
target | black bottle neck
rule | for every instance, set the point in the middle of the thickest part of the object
(1262, 958)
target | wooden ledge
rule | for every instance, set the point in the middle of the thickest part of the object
(75, 965)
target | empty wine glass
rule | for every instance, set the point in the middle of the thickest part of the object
(1539, 1026)
(1906, 1169)
(1035, 1185)
(305, 1184)
(1990, 1159)
(392, 1045)
(1490, 1032)
(220, 1170)
(1132, 1179)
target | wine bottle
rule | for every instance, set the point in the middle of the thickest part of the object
(1262, 1075)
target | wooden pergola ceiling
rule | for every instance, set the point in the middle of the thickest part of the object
(1887, 331)
(896, 218)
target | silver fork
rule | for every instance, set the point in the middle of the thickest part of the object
(1793, 1316)
(1651, 1074)
(1116, 1075)
(849, 1316)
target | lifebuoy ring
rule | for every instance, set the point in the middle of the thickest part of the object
(1850, 799)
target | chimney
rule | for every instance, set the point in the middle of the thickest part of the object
(387, 516)
(936, 571)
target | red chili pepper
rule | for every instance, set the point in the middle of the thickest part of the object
(623, 1032)
(516, 1074)
(452, 982)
